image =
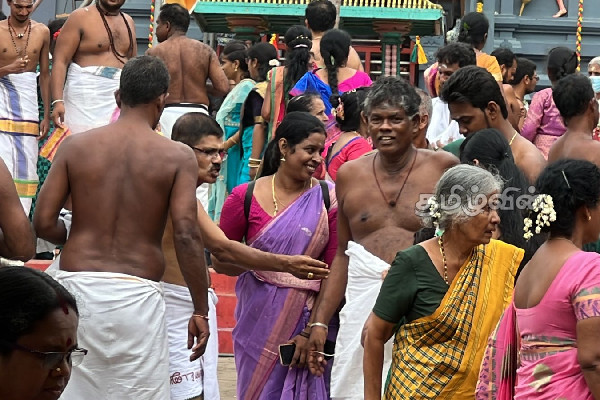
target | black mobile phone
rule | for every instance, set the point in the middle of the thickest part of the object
(286, 353)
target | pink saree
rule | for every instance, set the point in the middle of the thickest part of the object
(543, 366)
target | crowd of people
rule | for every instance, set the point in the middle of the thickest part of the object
(387, 240)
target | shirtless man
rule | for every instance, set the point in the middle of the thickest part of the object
(203, 134)
(24, 45)
(524, 83)
(319, 18)
(476, 103)
(576, 101)
(190, 62)
(124, 180)
(94, 44)
(376, 219)
(16, 235)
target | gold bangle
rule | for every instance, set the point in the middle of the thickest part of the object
(258, 160)
(200, 316)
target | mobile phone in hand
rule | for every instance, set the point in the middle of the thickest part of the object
(286, 353)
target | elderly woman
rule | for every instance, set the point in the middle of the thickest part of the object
(555, 310)
(443, 297)
(38, 339)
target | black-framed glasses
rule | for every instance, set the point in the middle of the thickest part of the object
(212, 153)
(50, 359)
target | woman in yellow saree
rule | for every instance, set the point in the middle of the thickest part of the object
(443, 297)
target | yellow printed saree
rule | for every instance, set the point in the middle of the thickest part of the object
(438, 356)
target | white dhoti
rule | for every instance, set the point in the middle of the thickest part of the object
(190, 379)
(122, 325)
(364, 283)
(19, 128)
(172, 112)
(89, 96)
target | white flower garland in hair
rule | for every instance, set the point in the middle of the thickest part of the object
(435, 214)
(543, 205)
(274, 62)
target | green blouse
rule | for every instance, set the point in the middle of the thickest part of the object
(412, 289)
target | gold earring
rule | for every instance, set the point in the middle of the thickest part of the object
(589, 217)
(235, 69)
(282, 159)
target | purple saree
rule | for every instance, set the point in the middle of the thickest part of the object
(274, 307)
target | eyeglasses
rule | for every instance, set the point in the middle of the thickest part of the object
(212, 153)
(50, 359)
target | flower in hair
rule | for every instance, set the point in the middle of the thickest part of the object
(274, 62)
(543, 205)
(466, 26)
(55, 35)
(435, 214)
(332, 59)
(339, 110)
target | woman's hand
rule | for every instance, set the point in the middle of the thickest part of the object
(301, 354)
(316, 344)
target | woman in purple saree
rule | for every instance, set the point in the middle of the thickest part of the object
(289, 213)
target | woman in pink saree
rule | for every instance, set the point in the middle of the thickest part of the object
(286, 211)
(546, 344)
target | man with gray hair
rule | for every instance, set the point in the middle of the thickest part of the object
(425, 112)
(376, 194)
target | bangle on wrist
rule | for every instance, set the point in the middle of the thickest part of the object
(319, 324)
(57, 101)
(304, 334)
(200, 316)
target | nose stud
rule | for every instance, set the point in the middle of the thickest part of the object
(58, 370)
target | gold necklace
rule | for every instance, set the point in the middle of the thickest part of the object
(441, 243)
(513, 138)
(275, 200)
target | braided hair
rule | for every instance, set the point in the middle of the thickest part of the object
(298, 40)
(335, 47)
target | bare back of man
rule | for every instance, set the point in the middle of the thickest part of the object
(527, 157)
(120, 198)
(190, 64)
(576, 145)
(353, 62)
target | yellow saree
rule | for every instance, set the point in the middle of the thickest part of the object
(438, 356)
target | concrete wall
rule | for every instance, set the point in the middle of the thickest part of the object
(536, 32)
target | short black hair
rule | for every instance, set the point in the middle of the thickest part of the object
(572, 185)
(320, 15)
(572, 94)
(473, 85)
(2, 16)
(395, 91)
(193, 126)
(27, 296)
(136, 88)
(525, 67)
(562, 61)
(457, 53)
(474, 26)
(504, 56)
(176, 15)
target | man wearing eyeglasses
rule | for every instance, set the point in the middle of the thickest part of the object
(190, 380)
(124, 180)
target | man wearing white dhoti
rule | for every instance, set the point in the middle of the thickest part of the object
(20, 125)
(90, 51)
(365, 273)
(191, 63)
(376, 219)
(113, 258)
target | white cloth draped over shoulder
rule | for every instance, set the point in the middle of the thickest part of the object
(364, 282)
(122, 325)
(89, 96)
(19, 129)
(442, 128)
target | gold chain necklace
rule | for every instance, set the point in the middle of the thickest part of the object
(275, 200)
(441, 243)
